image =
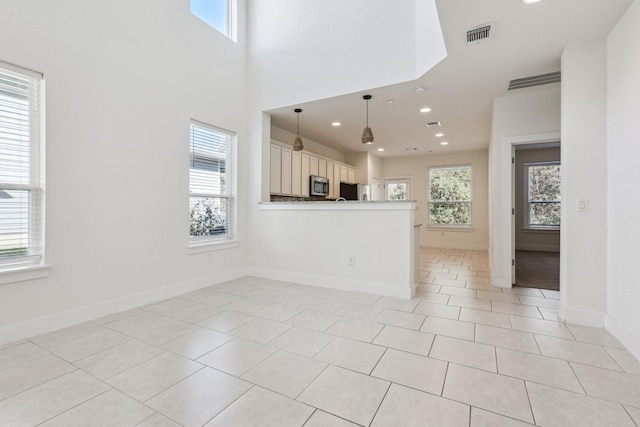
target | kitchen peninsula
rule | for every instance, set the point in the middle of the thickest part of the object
(368, 247)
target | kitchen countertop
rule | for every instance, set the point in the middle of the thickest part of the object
(342, 205)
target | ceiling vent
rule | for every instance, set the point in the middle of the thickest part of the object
(429, 124)
(479, 34)
(542, 79)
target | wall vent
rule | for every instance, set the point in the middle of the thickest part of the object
(479, 34)
(539, 80)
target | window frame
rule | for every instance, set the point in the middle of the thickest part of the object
(229, 193)
(431, 225)
(231, 20)
(392, 181)
(525, 199)
(30, 265)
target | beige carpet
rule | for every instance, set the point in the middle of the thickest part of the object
(538, 270)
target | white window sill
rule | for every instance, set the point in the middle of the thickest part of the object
(21, 274)
(463, 228)
(212, 246)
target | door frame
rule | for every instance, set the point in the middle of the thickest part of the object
(512, 142)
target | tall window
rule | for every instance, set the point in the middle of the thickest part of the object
(21, 173)
(450, 196)
(211, 184)
(543, 195)
(217, 13)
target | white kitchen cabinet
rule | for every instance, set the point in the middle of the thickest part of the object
(331, 194)
(296, 173)
(351, 173)
(313, 165)
(304, 173)
(275, 182)
(336, 181)
(322, 168)
(285, 185)
(344, 174)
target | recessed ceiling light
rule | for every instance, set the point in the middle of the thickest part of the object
(531, 1)
(439, 135)
(336, 124)
(444, 143)
(380, 149)
(390, 101)
(425, 109)
(420, 90)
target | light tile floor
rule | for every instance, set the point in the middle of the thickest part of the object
(255, 352)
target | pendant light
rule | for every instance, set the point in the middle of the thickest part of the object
(297, 143)
(367, 135)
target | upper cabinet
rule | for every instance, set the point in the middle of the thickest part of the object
(290, 171)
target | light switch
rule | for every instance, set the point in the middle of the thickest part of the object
(582, 205)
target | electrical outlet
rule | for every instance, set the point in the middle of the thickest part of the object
(352, 260)
(210, 258)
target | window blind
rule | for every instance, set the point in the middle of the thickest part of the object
(21, 185)
(211, 184)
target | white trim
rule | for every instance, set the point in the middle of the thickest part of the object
(628, 337)
(212, 246)
(22, 274)
(579, 316)
(56, 321)
(406, 291)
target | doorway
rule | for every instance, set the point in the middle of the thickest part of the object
(536, 215)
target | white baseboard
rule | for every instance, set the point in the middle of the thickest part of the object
(577, 316)
(52, 322)
(399, 291)
(627, 337)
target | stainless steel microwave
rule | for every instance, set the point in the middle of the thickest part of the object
(318, 186)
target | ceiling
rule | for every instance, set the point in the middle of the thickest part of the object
(526, 40)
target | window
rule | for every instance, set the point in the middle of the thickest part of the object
(21, 174)
(397, 189)
(543, 195)
(217, 13)
(211, 184)
(450, 196)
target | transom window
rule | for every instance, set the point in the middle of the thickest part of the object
(211, 184)
(543, 195)
(21, 172)
(217, 13)
(450, 196)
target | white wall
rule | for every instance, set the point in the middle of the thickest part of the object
(310, 145)
(522, 116)
(123, 80)
(583, 235)
(623, 176)
(361, 163)
(417, 168)
(530, 239)
(311, 243)
(302, 51)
